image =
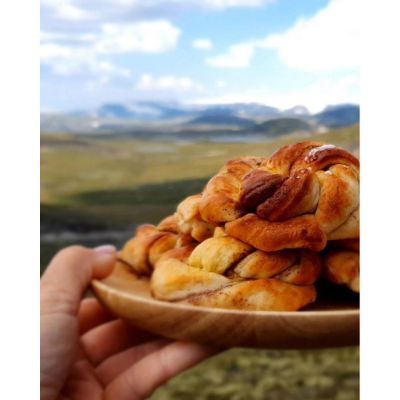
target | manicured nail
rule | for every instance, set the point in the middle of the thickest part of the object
(105, 248)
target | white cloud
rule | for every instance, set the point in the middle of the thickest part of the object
(72, 12)
(167, 83)
(84, 53)
(327, 41)
(238, 56)
(68, 10)
(46, 36)
(74, 61)
(222, 4)
(116, 11)
(52, 51)
(315, 96)
(202, 44)
(220, 83)
(145, 36)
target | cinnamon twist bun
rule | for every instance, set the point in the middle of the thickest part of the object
(188, 219)
(152, 243)
(251, 239)
(304, 195)
(225, 272)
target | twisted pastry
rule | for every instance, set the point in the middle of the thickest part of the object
(189, 221)
(305, 194)
(225, 272)
(221, 271)
(220, 199)
(250, 239)
(151, 243)
(341, 263)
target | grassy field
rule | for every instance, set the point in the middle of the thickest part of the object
(90, 185)
(105, 183)
(245, 374)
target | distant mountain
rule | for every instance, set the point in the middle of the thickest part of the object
(339, 115)
(282, 126)
(172, 116)
(141, 110)
(221, 119)
(153, 110)
(244, 110)
(297, 111)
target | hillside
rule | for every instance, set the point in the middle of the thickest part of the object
(337, 116)
(282, 126)
(113, 184)
(221, 120)
(157, 119)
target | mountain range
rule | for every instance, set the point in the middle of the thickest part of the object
(144, 116)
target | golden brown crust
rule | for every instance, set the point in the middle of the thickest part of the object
(257, 295)
(298, 195)
(164, 243)
(311, 155)
(262, 265)
(169, 224)
(297, 267)
(174, 280)
(241, 264)
(149, 244)
(320, 157)
(350, 229)
(305, 272)
(299, 232)
(219, 232)
(258, 185)
(136, 250)
(339, 197)
(343, 267)
(189, 221)
(184, 239)
(218, 254)
(299, 179)
(220, 200)
(178, 253)
(282, 160)
(249, 239)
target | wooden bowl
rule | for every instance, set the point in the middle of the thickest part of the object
(332, 321)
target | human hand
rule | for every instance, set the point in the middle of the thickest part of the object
(87, 354)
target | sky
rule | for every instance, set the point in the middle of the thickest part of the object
(281, 53)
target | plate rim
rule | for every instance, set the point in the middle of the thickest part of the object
(189, 307)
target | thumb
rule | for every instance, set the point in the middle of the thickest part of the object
(69, 274)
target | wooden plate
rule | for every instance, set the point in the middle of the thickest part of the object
(331, 322)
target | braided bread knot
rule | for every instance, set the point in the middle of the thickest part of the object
(304, 195)
(251, 239)
(152, 243)
(221, 271)
(225, 272)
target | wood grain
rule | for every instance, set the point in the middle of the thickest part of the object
(332, 321)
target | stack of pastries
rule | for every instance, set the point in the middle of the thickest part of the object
(259, 236)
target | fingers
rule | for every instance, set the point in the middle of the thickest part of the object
(109, 339)
(70, 273)
(144, 377)
(82, 383)
(105, 340)
(111, 367)
(92, 314)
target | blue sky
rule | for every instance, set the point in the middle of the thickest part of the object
(277, 52)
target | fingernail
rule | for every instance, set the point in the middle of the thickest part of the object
(105, 249)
